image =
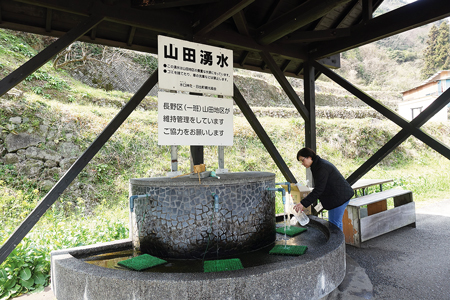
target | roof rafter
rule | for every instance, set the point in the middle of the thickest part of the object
(295, 19)
(241, 23)
(225, 36)
(347, 12)
(288, 89)
(367, 9)
(160, 4)
(402, 19)
(316, 35)
(48, 20)
(169, 21)
(213, 15)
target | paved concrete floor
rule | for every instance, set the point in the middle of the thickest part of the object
(47, 294)
(409, 263)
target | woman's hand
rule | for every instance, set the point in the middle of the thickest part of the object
(298, 207)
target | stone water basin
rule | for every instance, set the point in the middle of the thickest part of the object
(77, 274)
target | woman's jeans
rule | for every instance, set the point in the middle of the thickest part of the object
(335, 215)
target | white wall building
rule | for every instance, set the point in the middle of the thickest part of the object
(417, 99)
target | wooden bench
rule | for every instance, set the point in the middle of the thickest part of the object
(359, 226)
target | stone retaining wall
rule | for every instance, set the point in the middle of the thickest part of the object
(42, 153)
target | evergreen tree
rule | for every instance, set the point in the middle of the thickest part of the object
(429, 53)
(442, 46)
(436, 54)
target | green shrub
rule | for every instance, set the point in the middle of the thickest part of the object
(27, 268)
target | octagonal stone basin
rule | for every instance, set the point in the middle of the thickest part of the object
(310, 276)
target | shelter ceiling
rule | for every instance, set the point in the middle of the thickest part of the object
(292, 31)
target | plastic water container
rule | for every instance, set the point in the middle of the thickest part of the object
(301, 217)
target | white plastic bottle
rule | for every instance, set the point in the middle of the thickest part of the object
(301, 217)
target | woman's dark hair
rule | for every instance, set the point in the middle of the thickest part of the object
(306, 152)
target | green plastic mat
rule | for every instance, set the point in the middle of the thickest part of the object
(288, 250)
(141, 262)
(222, 265)
(291, 230)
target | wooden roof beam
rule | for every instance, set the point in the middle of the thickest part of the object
(375, 5)
(166, 21)
(346, 13)
(81, 7)
(131, 35)
(295, 19)
(228, 37)
(48, 20)
(213, 15)
(285, 65)
(317, 35)
(161, 4)
(272, 11)
(243, 58)
(287, 87)
(241, 23)
(93, 34)
(367, 10)
(400, 20)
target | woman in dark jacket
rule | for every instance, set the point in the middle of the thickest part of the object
(331, 188)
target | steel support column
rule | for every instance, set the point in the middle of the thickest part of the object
(174, 158)
(310, 103)
(221, 156)
(265, 139)
(45, 55)
(197, 151)
(197, 155)
(76, 168)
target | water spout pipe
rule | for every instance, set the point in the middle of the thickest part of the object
(216, 202)
(213, 174)
(285, 183)
(132, 198)
(283, 193)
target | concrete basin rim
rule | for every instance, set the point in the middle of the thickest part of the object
(66, 259)
(226, 179)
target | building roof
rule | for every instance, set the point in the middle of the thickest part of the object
(440, 75)
(443, 74)
(291, 31)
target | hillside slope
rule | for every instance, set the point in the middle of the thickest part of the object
(66, 116)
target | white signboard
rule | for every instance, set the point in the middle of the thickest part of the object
(194, 120)
(193, 67)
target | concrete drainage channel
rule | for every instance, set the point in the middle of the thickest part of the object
(313, 275)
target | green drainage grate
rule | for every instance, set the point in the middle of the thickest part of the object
(222, 265)
(291, 230)
(288, 250)
(141, 262)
